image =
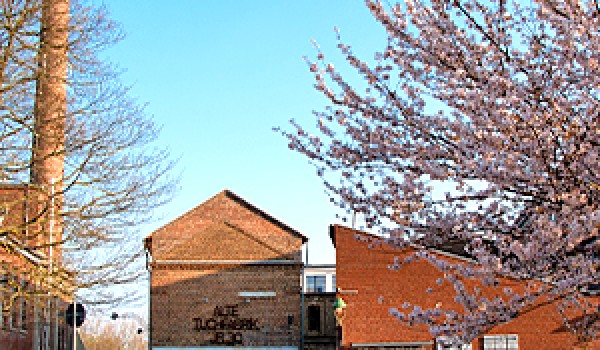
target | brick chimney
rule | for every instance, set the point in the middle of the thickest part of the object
(47, 157)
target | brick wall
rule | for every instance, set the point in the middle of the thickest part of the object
(185, 300)
(13, 334)
(227, 206)
(368, 320)
(204, 259)
(24, 320)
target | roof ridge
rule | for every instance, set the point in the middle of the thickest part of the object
(186, 213)
(230, 194)
(437, 250)
(269, 217)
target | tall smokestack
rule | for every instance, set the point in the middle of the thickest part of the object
(51, 95)
(47, 156)
(47, 153)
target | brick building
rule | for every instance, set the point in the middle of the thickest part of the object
(31, 319)
(31, 227)
(225, 274)
(319, 296)
(370, 289)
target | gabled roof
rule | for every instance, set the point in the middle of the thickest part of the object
(453, 249)
(236, 244)
(264, 214)
(240, 201)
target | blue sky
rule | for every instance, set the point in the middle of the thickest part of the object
(218, 76)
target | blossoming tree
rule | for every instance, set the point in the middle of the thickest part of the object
(498, 99)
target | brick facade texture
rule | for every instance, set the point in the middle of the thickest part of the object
(203, 260)
(230, 208)
(184, 299)
(366, 270)
(23, 321)
(14, 333)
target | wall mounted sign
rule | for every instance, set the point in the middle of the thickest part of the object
(257, 294)
(226, 325)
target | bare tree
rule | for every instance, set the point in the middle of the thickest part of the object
(83, 148)
(496, 103)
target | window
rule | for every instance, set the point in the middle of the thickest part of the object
(333, 283)
(445, 343)
(23, 313)
(2, 316)
(592, 289)
(501, 342)
(315, 284)
(61, 338)
(23, 306)
(314, 318)
(13, 304)
(15, 310)
(5, 316)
